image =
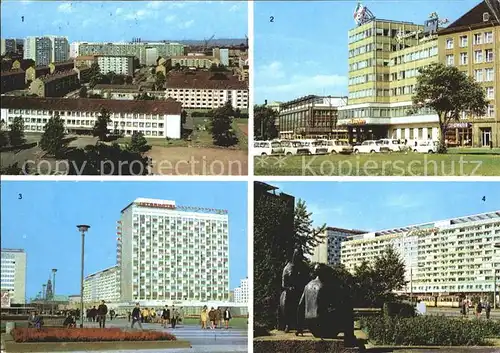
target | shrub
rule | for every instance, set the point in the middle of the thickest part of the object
(86, 335)
(399, 309)
(429, 330)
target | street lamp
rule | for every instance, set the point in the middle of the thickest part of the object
(54, 270)
(82, 228)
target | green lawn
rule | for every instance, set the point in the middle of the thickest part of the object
(239, 322)
(395, 164)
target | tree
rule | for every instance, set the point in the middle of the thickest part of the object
(16, 133)
(14, 169)
(449, 92)
(111, 77)
(305, 236)
(177, 67)
(138, 143)
(129, 80)
(144, 97)
(4, 136)
(52, 140)
(265, 122)
(95, 75)
(221, 126)
(83, 92)
(160, 79)
(101, 125)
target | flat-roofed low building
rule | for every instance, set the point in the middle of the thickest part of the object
(160, 119)
(12, 80)
(206, 90)
(55, 85)
(194, 61)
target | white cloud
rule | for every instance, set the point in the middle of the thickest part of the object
(170, 18)
(273, 70)
(119, 11)
(137, 15)
(65, 7)
(186, 24)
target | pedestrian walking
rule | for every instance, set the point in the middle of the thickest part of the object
(181, 315)
(227, 317)
(487, 309)
(463, 307)
(164, 316)
(212, 318)
(136, 316)
(175, 316)
(102, 312)
(204, 318)
(479, 309)
(218, 317)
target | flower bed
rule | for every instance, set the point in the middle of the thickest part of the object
(24, 335)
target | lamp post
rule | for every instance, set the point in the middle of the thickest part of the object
(54, 270)
(82, 228)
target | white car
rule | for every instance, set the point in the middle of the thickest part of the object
(428, 146)
(337, 146)
(393, 144)
(370, 146)
(291, 147)
(267, 148)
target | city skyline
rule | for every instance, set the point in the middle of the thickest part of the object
(406, 204)
(316, 61)
(81, 199)
(124, 20)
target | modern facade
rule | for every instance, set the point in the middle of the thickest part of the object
(472, 44)
(151, 56)
(442, 258)
(159, 119)
(241, 292)
(74, 50)
(206, 90)
(120, 65)
(222, 55)
(46, 49)
(136, 49)
(13, 274)
(102, 285)
(173, 254)
(60, 49)
(310, 116)
(7, 46)
(328, 251)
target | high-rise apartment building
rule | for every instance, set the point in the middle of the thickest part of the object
(241, 292)
(120, 65)
(447, 257)
(7, 46)
(102, 285)
(328, 251)
(46, 49)
(13, 274)
(60, 49)
(173, 253)
(472, 44)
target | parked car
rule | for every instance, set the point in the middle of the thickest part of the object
(291, 147)
(428, 146)
(371, 146)
(394, 145)
(265, 148)
(337, 146)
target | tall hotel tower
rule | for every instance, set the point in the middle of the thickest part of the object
(173, 253)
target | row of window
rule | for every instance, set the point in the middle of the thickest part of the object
(84, 114)
(478, 39)
(480, 56)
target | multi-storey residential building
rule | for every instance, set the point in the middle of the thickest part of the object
(472, 44)
(74, 49)
(13, 274)
(206, 90)
(136, 49)
(328, 251)
(447, 257)
(194, 61)
(59, 49)
(7, 46)
(102, 285)
(310, 116)
(56, 85)
(120, 65)
(168, 252)
(159, 119)
(38, 49)
(222, 55)
(241, 292)
(12, 80)
(85, 60)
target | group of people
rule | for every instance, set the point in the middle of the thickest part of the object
(99, 314)
(215, 316)
(165, 316)
(466, 304)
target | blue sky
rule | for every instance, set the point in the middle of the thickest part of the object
(304, 50)
(375, 206)
(44, 223)
(124, 20)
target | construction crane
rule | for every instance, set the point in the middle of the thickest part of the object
(207, 41)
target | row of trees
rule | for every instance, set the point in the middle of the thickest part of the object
(15, 135)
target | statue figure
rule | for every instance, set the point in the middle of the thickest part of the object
(293, 282)
(324, 312)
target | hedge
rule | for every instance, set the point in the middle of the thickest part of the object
(22, 335)
(429, 330)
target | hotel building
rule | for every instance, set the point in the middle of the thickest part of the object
(120, 65)
(328, 251)
(310, 116)
(159, 119)
(206, 90)
(102, 285)
(442, 258)
(241, 292)
(173, 254)
(13, 275)
(472, 44)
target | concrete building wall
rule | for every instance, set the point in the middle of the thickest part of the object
(102, 285)
(13, 274)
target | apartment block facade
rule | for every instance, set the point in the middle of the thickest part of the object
(46, 49)
(241, 292)
(102, 285)
(328, 251)
(13, 275)
(447, 257)
(170, 253)
(120, 65)
(7, 46)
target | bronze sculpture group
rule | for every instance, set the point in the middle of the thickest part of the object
(314, 304)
